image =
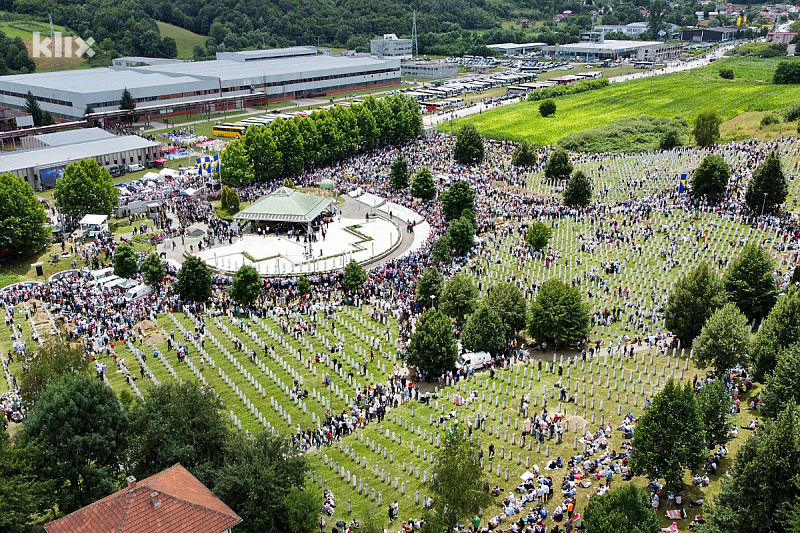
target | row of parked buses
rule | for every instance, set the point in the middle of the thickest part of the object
(239, 128)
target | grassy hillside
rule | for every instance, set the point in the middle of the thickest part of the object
(684, 93)
(186, 39)
(24, 29)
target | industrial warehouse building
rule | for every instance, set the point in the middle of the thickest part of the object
(602, 48)
(429, 69)
(48, 155)
(272, 75)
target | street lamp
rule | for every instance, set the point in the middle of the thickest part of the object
(763, 204)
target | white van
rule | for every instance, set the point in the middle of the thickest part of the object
(477, 360)
(138, 291)
(135, 167)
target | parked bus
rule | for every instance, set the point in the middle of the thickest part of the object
(229, 130)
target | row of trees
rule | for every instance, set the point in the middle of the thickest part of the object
(288, 147)
(80, 437)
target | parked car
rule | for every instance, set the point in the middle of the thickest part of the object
(136, 167)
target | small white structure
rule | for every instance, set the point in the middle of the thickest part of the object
(91, 225)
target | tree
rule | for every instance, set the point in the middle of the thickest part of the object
(440, 251)
(86, 188)
(88, 111)
(726, 73)
(669, 437)
(558, 167)
(246, 286)
(578, 192)
(422, 186)
(767, 188)
(714, 405)
(53, 362)
(229, 199)
(289, 144)
(711, 178)
(23, 220)
(538, 236)
(126, 101)
(787, 72)
(655, 22)
(429, 288)
(559, 314)
(461, 235)
(177, 423)
(354, 276)
(433, 344)
(780, 329)
(81, 426)
(547, 108)
(484, 332)
(251, 465)
(125, 263)
(399, 173)
(693, 299)
(763, 480)
(783, 384)
(236, 166)
(749, 282)
(153, 271)
(624, 510)
(457, 480)
(469, 146)
(456, 199)
(33, 109)
(303, 286)
(507, 300)
(47, 118)
(262, 151)
(723, 341)
(23, 493)
(706, 128)
(671, 138)
(194, 280)
(459, 298)
(525, 155)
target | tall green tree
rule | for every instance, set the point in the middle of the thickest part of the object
(247, 285)
(86, 188)
(229, 199)
(177, 423)
(547, 107)
(507, 300)
(559, 314)
(253, 464)
(262, 151)
(711, 178)
(578, 192)
(459, 298)
(125, 262)
(433, 344)
(484, 332)
(538, 236)
(780, 329)
(126, 101)
(367, 127)
(669, 437)
(525, 155)
(723, 341)
(750, 283)
(783, 385)
(456, 199)
(714, 405)
(23, 492)
(457, 480)
(236, 167)
(33, 109)
(82, 428)
(559, 166)
(422, 186)
(623, 510)
(194, 280)
(767, 189)
(469, 146)
(693, 299)
(399, 173)
(787, 72)
(441, 251)
(763, 481)
(53, 362)
(461, 235)
(303, 286)
(656, 21)
(311, 141)
(706, 128)
(289, 144)
(354, 276)
(153, 271)
(429, 288)
(23, 220)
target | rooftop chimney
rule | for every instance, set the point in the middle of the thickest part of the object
(131, 481)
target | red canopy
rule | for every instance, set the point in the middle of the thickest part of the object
(161, 160)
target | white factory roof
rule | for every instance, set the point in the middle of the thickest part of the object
(102, 79)
(271, 53)
(609, 44)
(43, 157)
(62, 138)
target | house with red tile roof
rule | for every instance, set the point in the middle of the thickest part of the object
(171, 501)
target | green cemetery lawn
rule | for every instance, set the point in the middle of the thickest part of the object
(684, 93)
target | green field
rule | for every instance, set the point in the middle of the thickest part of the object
(186, 39)
(684, 93)
(25, 28)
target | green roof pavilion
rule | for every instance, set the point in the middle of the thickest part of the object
(285, 205)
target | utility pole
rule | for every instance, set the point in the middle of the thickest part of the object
(414, 44)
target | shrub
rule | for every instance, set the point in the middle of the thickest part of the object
(547, 108)
(726, 73)
(635, 134)
(769, 119)
(563, 90)
(792, 114)
(787, 72)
